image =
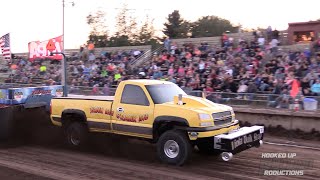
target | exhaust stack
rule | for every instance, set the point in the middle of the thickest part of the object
(180, 99)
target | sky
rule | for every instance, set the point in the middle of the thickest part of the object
(40, 20)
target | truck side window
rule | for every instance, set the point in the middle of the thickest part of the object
(133, 94)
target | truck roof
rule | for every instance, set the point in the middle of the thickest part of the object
(147, 82)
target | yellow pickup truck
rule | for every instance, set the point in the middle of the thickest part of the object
(160, 112)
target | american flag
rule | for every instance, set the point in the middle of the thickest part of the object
(5, 46)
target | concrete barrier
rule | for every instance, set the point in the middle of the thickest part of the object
(306, 121)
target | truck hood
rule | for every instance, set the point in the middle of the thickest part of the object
(197, 104)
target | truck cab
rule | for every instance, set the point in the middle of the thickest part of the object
(159, 111)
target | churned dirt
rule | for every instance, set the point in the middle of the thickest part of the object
(12, 174)
(121, 158)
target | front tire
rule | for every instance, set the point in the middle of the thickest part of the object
(76, 134)
(174, 148)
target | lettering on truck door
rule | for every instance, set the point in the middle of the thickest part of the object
(133, 112)
(99, 115)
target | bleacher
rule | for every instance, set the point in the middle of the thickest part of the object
(213, 41)
(148, 50)
(98, 51)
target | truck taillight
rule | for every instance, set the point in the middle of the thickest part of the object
(50, 108)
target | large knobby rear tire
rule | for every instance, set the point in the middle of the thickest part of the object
(76, 135)
(173, 147)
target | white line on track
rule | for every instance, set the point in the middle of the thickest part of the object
(292, 145)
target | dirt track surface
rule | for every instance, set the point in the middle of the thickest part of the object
(38, 153)
(12, 174)
(133, 159)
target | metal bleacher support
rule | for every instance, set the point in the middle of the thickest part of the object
(147, 56)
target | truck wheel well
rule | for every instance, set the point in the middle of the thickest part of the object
(160, 127)
(68, 117)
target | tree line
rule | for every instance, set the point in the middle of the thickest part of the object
(130, 33)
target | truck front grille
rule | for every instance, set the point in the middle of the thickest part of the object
(222, 118)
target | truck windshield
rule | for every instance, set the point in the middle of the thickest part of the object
(162, 93)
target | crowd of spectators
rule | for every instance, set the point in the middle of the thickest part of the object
(83, 68)
(258, 66)
(235, 66)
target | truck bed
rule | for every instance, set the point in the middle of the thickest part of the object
(83, 97)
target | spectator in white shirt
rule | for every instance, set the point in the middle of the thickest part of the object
(92, 57)
(202, 66)
(274, 45)
(261, 42)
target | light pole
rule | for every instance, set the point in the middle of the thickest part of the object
(63, 62)
(63, 1)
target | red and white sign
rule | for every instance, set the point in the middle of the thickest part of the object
(39, 49)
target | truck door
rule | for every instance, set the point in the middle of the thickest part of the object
(133, 112)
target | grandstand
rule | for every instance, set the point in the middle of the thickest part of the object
(228, 73)
(213, 41)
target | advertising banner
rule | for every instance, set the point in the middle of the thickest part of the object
(4, 96)
(34, 94)
(39, 49)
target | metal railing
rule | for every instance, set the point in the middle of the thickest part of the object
(141, 58)
(18, 85)
(145, 57)
(91, 91)
(233, 99)
(259, 100)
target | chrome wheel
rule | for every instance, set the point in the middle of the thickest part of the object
(226, 156)
(171, 149)
(75, 137)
